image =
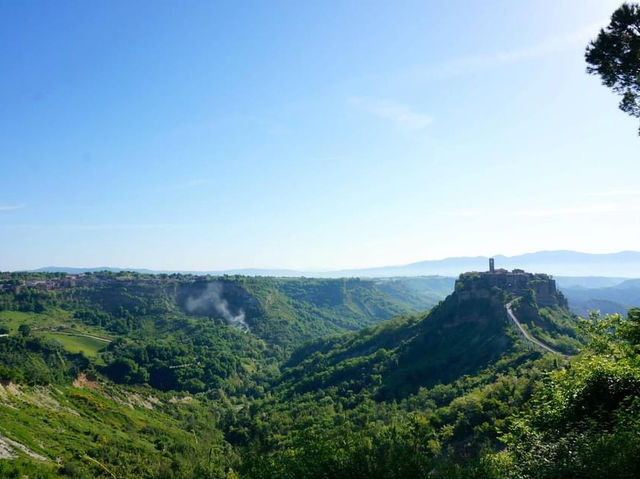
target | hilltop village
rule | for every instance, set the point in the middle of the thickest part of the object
(517, 282)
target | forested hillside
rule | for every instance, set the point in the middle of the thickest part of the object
(122, 375)
(192, 333)
(282, 311)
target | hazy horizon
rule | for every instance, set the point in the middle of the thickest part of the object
(622, 264)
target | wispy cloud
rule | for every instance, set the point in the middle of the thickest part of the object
(11, 207)
(579, 210)
(472, 63)
(618, 192)
(403, 116)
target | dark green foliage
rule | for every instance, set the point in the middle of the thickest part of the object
(24, 330)
(615, 56)
(38, 361)
(452, 393)
(371, 450)
(460, 336)
(127, 371)
(294, 310)
(441, 432)
(584, 421)
(198, 357)
(282, 311)
(554, 326)
(175, 331)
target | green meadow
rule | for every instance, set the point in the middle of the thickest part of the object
(73, 343)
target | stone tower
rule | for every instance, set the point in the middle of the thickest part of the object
(491, 265)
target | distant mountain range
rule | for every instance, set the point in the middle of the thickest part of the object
(607, 299)
(625, 264)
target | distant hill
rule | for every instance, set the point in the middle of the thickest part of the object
(282, 311)
(420, 292)
(625, 264)
(617, 298)
(563, 263)
(588, 281)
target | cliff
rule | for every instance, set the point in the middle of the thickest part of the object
(515, 283)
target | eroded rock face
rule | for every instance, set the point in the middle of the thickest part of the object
(517, 282)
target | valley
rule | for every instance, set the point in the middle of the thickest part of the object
(319, 240)
(185, 376)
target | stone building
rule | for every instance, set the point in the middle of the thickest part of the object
(517, 282)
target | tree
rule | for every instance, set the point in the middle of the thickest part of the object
(24, 330)
(125, 370)
(615, 56)
(584, 420)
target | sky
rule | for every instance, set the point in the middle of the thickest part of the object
(210, 135)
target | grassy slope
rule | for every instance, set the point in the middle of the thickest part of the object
(50, 319)
(90, 429)
(90, 347)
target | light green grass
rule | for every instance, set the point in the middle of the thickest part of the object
(49, 321)
(66, 424)
(75, 344)
(13, 319)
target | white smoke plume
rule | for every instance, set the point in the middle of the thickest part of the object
(212, 297)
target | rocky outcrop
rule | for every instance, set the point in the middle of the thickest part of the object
(516, 283)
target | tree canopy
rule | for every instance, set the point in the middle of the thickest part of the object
(615, 56)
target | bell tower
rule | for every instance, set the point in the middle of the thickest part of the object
(491, 266)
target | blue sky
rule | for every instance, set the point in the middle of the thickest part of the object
(309, 135)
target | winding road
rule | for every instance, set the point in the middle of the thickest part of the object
(524, 332)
